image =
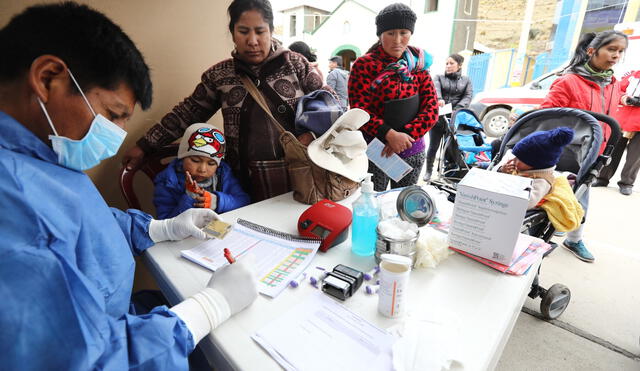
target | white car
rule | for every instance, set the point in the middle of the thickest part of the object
(493, 107)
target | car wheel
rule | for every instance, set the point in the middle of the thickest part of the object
(496, 122)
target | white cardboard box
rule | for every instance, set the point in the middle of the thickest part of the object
(488, 214)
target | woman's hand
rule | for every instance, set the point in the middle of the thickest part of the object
(306, 138)
(440, 102)
(396, 142)
(132, 158)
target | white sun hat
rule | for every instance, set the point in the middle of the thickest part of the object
(342, 149)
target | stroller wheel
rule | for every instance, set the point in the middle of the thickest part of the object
(555, 301)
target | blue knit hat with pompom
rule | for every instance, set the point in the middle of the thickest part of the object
(542, 149)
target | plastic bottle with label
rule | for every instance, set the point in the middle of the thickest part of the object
(366, 214)
(394, 284)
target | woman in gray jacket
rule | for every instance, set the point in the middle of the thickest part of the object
(452, 88)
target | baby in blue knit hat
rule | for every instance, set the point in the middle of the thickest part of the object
(535, 156)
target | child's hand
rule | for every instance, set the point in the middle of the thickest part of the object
(190, 184)
(509, 167)
(205, 200)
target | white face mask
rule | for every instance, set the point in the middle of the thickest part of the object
(102, 141)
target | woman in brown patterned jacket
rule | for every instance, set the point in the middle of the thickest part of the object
(280, 75)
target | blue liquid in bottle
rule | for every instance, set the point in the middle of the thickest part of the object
(365, 220)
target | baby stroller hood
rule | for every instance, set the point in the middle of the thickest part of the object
(579, 155)
(470, 136)
(467, 118)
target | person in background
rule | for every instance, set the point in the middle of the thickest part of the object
(628, 116)
(302, 48)
(280, 75)
(338, 79)
(198, 177)
(394, 74)
(588, 83)
(452, 88)
(69, 82)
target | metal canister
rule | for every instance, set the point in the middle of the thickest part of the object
(404, 247)
(414, 205)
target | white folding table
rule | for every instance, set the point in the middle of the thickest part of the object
(485, 302)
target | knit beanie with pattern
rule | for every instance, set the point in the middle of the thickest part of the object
(202, 140)
(395, 16)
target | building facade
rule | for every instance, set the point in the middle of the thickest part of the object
(349, 29)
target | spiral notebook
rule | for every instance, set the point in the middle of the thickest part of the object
(279, 256)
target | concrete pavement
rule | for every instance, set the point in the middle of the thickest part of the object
(600, 330)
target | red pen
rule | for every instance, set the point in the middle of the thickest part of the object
(227, 254)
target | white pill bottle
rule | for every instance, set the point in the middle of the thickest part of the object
(394, 283)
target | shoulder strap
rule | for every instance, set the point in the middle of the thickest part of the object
(257, 96)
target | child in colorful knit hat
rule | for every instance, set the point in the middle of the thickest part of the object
(198, 177)
(535, 156)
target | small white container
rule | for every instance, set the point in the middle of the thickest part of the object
(394, 283)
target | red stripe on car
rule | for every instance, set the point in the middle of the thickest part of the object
(513, 100)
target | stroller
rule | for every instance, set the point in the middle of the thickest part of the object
(464, 146)
(580, 157)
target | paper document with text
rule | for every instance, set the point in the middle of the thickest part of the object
(322, 334)
(394, 166)
(279, 257)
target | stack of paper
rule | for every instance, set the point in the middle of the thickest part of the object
(321, 334)
(529, 249)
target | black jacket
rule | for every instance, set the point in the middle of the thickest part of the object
(455, 89)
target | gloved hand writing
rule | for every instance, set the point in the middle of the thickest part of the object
(237, 283)
(185, 225)
(231, 289)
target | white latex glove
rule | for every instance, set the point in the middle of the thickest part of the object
(185, 225)
(237, 283)
(231, 289)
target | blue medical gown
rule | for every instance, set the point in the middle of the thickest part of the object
(66, 271)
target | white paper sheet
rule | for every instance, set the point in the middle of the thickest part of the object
(428, 342)
(278, 258)
(446, 109)
(394, 166)
(322, 334)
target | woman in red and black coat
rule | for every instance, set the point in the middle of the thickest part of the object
(393, 76)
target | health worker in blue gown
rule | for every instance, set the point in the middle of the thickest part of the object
(69, 81)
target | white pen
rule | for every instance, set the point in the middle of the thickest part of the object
(369, 275)
(316, 275)
(296, 281)
(371, 289)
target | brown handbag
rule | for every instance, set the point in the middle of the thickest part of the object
(310, 182)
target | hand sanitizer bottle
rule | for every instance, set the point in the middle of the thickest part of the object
(366, 213)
